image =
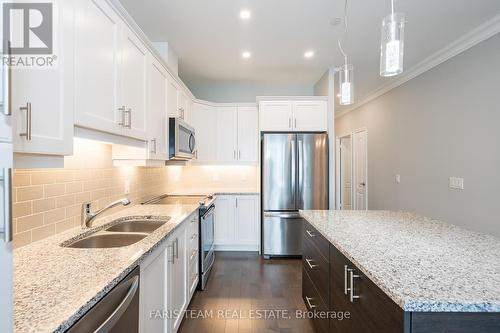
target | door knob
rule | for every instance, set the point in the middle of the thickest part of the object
(362, 184)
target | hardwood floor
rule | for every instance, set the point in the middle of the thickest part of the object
(242, 287)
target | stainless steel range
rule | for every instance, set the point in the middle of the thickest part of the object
(206, 228)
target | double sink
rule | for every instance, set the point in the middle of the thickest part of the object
(119, 234)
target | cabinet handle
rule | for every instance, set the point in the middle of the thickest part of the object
(27, 108)
(309, 263)
(177, 248)
(310, 234)
(295, 122)
(171, 259)
(352, 297)
(308, 300)
(239, 154)
(234, 154)
(122, 110)
(7, 91)
(129, 118)
(153, 141)
(194, 236)
(289, 122)
(346, 288)
(7, 204)
(192, 255)
(236, 202)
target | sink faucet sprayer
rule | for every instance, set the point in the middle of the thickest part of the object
(88, 216)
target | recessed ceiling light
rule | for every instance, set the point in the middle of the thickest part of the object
(309, 54)
(245, 14)
(246, 54)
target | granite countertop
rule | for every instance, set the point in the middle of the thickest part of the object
(54, 286)
(217, 191)
(424, 265)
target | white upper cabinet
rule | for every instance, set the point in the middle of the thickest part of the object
(41, 104)
(309, 116)
(248, 134)
(205, 125)
(133, 80)
(179, 102)
(275, 116)
(157, 106)
(227, 134)
(290, 116)
(97, 62)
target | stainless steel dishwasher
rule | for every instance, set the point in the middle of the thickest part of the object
(117, 312)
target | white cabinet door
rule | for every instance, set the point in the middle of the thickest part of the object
(152, 296)
(97, 59)
(182, 105)
(205, 124)
(172, 97)
(275, 116)
(42, 103)
(224, 220)
(310, 116)
(178, 277)
(133, 78)
(227, 134)
(158, 119)
(247, 220)
(248, 134)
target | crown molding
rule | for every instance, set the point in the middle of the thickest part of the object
(475, 36)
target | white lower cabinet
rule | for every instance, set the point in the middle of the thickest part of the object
(166, 287)
(237, 223)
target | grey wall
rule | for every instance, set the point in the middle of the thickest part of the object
(324, 87)
(241, 92)
(443, 123)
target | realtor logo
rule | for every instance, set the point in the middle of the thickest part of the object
(28, 27)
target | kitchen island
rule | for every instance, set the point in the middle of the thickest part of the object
(405, 271)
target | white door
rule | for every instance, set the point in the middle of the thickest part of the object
(6, 312)
(42, 104)
(248, 134)
(310, 116)
(360, 170)
(345, 173)
(158, 119)
(205, 125)
(152, 296)
(225, 220)
(97, 57)
(133, 79)
(172, 97)
(178, 277)
(275, 116)
(227, 134)
(247, 211)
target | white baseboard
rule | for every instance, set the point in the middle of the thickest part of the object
(242, 248)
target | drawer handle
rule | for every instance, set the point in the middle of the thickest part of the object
(194, 236)
(192, 255)
(308, 300)
(310, 234)
(352, 297)
(346, 287)
(309, 263)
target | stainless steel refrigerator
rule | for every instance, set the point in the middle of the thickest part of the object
(294, 169)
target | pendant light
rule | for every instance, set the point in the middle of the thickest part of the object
(346, 72)
(392, 43)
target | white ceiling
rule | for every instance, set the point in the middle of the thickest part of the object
(209, 35)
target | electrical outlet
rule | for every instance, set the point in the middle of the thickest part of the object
(398, 178)
(456, 183)
(126, 189)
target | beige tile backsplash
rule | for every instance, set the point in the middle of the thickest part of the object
(48, 201)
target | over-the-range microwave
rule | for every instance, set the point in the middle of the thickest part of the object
(182, 142)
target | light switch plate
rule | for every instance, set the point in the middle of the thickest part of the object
(398, 178)
(456, 183)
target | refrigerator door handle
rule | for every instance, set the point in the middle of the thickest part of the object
(294, 171)
(283, 215)
(300, 148)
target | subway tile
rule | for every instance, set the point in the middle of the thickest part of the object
(54, 190)
(65, 201)
(82, 197)
(43, 232)
(54, 215)
(39, 178)
(21, 179)
(64, 225)
(75, 210)
(74, 187)
(43, 205)
(21, 209)
(21, 239)
(29, 193)
(29, 222)
(99, 194)
(64, 176)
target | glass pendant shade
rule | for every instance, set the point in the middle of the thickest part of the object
(392, 45)
(346, 85)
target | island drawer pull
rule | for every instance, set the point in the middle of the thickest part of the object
(308, 300)
(352, 297)
(310, 234)
(309, 263)
(346, 287)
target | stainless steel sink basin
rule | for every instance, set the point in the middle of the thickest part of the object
(102, 240)
(144, 226)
